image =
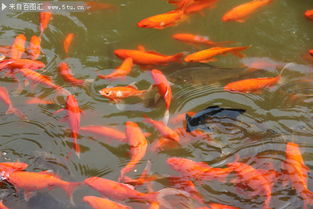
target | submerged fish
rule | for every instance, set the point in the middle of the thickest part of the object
(309, 14)
(201, 117)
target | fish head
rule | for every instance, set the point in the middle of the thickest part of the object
(311, 52)
(145, 23)
(106, 92)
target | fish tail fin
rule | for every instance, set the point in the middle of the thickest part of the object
(76, 146)
(69, 188)
(17, 112)
(166, 116)
(237, 50)
(166, 192)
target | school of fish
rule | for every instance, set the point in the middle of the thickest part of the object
(23, 65)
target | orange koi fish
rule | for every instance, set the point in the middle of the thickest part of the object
(68, 41)
(18, 47)
(180, 118)
(6, 168)
(37, 100)
(164, 20)
(116, 94)
(141, 57)
(163, 143)
(198, 170)
(73, 111)
(311, 52)
(197, 39)
(163, 129)
(198, 6)
(254, 179)
(2, 206)
(44, 18)
(103, 203)
(121, 71)
(21, 63)
(143, 178)
(5, 51)
(297, 172)
(42, 79)
(138, 146)
(67, 75)
(106, 132)
(34, 47)
(254, 84)
(120, 191)
(218, 206)
(95, 6)
(309, 14)
(31, 182)
(4, 96)
(164, 89)
(208, 55)
(242, 11)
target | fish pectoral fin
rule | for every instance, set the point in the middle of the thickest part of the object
(240, 20)
(120, 106)
(28, 195)
(238, 54)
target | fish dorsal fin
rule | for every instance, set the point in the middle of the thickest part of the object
(49, 173)
(156, 53)
(141, 48)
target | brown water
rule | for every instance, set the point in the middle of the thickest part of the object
(278, 33)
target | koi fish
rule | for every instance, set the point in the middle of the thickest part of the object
(116, 94)
(6, 168)
(147, 57)
(143, 178)
(180, 118)
(37, 100)
(311, 52)
(218, 206)
(68, 41)
(208, 55)
(4, 96)
(102, 203)
(34, 47)
(21, 63)
(44, 18)
(73, 111)
(121, 71)
(198, 170)
(164, 89)
(199, 120)
(163, 129)
(297, 172)
(197, 39)
(254, 179)
(42, 79)
(31, 182)
(5, 51)
(18, 47)
(120, 191)
(198, 6)
(242, 11)
(164, 20)
(106, 132)
(138, 146)
(67, 75)
(309, 14)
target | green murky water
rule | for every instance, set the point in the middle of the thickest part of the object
(278, 32)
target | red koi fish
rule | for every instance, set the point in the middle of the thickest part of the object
(164, 89)
(254, 179)
(116, 94)
(164, 20)
(21, 63)
(120, 191)
(73, 110)
(198, 170)
(34, 47)
(297, 172)
(42, 79)
(44, 18)
(309, 14)
(197, 39)
(141, 57)
(4, 96)
(68, 41)
(218, 206)
(106, 132)
(121, 71)
(138, 146)
(242, 11)
(163, 129)
(18, 47)
(208, 55)
(103, 203)
(31, 182)
(67, 75)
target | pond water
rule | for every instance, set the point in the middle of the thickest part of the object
(277, 33)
